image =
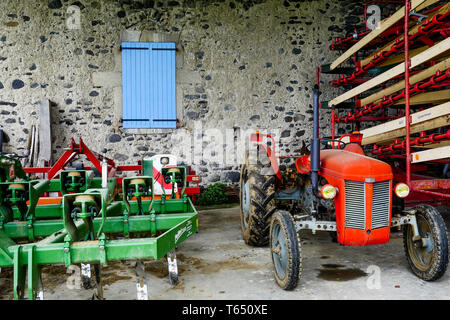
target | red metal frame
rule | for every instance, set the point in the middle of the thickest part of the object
(258, 138)
(419, 141)
(420, 35)
(414, 186)
(68, 155)
(438, 80)
(96, 159)
(346, 42)
(423, 189)
(407, 94)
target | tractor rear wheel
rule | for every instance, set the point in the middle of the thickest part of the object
(285, 249)
(427, 257)
(257, 199)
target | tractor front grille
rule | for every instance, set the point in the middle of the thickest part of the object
(381, 204)
(355, 205)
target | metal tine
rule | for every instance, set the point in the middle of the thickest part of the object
(141, 281)
(86, 275)
(173, 268)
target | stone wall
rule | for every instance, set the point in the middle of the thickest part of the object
(240, 64)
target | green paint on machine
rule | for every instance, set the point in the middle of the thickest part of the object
(83, 226)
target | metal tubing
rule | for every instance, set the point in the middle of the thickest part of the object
(421, 140)
(429, 27)
(315, 145)
(420, 87)
(436, 194)
(407, 97)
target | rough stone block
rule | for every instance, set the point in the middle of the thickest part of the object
(130, 35)
(107, 79)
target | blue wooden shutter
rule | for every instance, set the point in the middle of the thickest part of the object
(148, 85)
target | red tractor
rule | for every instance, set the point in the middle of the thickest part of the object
(339, 190)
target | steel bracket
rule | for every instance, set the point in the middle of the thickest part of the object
(126, 226)
(408, 219)
(19, 274)
(102, 248)
(153, 222)
(419, 15)
(185, 202)
(314, 225)
(30, 229)
(67, 257)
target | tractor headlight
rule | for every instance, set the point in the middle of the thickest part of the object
(401, 190)
(164, 160)
(328, 192)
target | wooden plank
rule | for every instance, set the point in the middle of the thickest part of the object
(413, 30)
(401, 57)
(431, 118)
(31, 153)
(434, 97)
(36, 148)
(429, 54)
(45, 135)
(387, 138)
(426, 4)
(425, 74)
(432, 154)
(382, 27)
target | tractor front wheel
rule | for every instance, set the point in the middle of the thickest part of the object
(285, 249)
(257, 195)
(427, 256)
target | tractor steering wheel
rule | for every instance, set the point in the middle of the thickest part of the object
(327, 141)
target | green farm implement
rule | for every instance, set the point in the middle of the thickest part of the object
(92, 222)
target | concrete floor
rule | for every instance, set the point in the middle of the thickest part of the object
(216, 264)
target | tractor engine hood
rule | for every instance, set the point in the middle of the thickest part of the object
(352, 166)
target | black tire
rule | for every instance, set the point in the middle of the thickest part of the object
(257, 199)
(333, 236)
(285, 249)
(427, 262)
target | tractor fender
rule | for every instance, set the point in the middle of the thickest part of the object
(355, 148)
(273, 160)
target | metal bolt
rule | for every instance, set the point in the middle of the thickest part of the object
(30, 226)
(125, 221)
(102, 248)
(66, 249)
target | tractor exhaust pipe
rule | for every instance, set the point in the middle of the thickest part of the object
(315, 145)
